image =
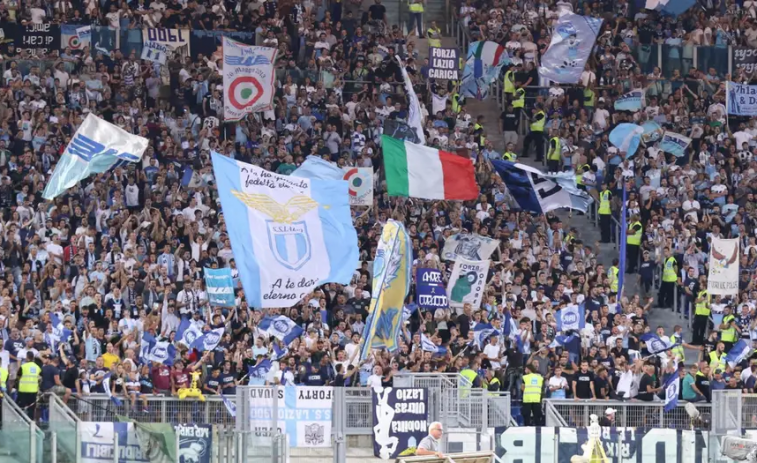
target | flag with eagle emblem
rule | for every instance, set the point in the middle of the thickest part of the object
(289, 234)
(247, 79)
(723, 278)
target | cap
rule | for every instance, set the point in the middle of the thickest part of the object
(610, 411)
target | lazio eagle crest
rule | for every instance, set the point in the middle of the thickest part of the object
(288, 237)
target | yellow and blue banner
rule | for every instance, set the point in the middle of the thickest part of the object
(392, 268)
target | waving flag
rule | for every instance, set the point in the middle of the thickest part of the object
(626, 137)
(510, 326)
(248, 77)
(540, 192)
(631, 101)
(148, 342)
(315, 167)
(163, 352)
(258, 373)
(674, 143)
(427, 345)
(481, 334)
(740, 351)
(408, 311)
(189, 330)
(289, 234)
(572, 317)
(655, 344)
(671, 387)
(95, 148)
(281, 327)
(414, 113)
(209, 340)
(392, 276)
(562, 340)
(106, 385)
(483, 64)
(278, 352)
(653, 131)
(230, 406)
(572, 40)
(220, 286)
(59, 329)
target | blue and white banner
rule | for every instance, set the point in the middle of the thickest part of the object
(170, 40)
(655, 344)
(98, 444)
(569, 49)
(163, 352)
(195, 442)
(414, 112)
(740, 351)
(247, 79)
(671, 387)
(626, 138)
(281, 327)
(400, 421)
(188, 331)
(562, 341)
(220, 286)
(289, 234)
(467, 283)
(541, 192)
(653, 132)
(71, 37)
(208, 341)
(482, 332)
(155, 52)
(631, 101)
(96, 147)
(304, 413)
(742, 99)
(571, 318)
(674, 143)
(429, 289)
(315, 167)
(427, 345)
(469, 246)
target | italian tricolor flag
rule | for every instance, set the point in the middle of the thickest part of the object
(418, 171)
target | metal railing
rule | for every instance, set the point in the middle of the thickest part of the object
(20, 436)
(65, 424)
(576, 413)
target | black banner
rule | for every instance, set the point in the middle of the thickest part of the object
(745, 58)
(400, 421)
(207, 42)
(400, 131)
(38, 39)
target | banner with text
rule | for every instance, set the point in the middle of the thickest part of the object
(400, 421)
(303, 413)
(195, 442)
(741, 99)
(467, 282)
(98, 444)
(745, 58)
(723, 278)
(160, 42)
(444, 63)
(247, 79)
(220, 286)
(38, 39)
(429, 289)
(674, 143)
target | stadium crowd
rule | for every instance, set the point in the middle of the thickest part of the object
(123, 253)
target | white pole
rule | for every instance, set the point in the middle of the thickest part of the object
(54, 447)
(115, 447)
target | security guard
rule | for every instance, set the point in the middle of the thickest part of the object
(416, 16)
(717, 357)
(434, 35)
(519, 101)
(669, 279)
(677, 339)
(729, 329)
(509, 81)
(614, 274)
(580, 170)
(493, 383)
(509, 154)
(605, 213)
(532, 393)
(455, 100)
(28, 385)
(536, 136)
(470, 377)
(701, 317)
(633, 243)
(554, 155)
(3, 381)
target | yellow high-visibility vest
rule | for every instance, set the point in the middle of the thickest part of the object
(703, 307)
(29, 382)
(520, 98)
(471, 376)
(678, 350)
(669, 273)
(432, 42)
(589, 97)
(728, 334)
(635, 239)
(604, 203)
(509, 156)
(509, 82)
(416, 7)
(494, 381)
(554, 154)
(532, 388)
(455, 103)
(3, 378)
(614, 283)
(580, 174)
(717, 361)
(538, 125)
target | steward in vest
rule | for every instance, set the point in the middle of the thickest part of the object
(701, 317)
(509, 154)
(519, 99)
(533, 384)
(416, 16)
(434, 35)
(677, 338)
(614, 275)
(669, 280)
(493, 384)
(633, 243)
(3, 381)
(605, 213)
(580, 175)
(729, 329)
(468, 381)
(717, 359)
(554, 153)
(28, 385)
(455, 101)
(536, 136)
(509, 82)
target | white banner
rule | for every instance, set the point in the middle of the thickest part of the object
(247, 79)
(174, 40)
(468, 246)
(304, 413)
(467, 283)
(570, 48)
(360, 180)
(98, 444)
(724, 267)
(741, 99)
(155, 52)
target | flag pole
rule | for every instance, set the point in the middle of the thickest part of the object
(622, 244)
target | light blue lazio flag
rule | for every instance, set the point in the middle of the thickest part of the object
(220, 286)
(653, 131)
(674, 143)
(630, 101)
(96, 147)
(289, 234)
(626, 138)
(569, 49)
(317, 168)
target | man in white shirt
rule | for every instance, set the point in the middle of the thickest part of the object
(493, 353)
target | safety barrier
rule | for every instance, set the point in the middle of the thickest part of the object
(65, 425)
(567, 412)
(20, 437)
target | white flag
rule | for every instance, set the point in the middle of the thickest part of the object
(415, 115)
(467, 283)
(724, 267)
(247, 79)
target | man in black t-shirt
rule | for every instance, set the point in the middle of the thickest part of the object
(583, 383)
(702, 381)
(647, 388)
(377, 11)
